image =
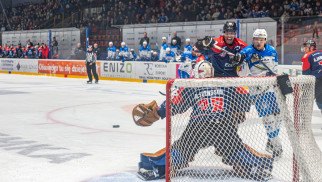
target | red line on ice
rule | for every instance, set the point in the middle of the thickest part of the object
(93, 130)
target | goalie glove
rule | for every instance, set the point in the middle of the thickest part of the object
(205, 43)
(145, 114)
(237, 60)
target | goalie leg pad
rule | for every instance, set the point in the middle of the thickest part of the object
(152, 165)
(253, 165)
(266, 104)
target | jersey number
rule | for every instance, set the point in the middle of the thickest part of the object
(217, 103)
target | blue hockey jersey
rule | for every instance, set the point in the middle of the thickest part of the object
(257, 61)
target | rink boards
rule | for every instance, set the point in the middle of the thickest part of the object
(149, 72)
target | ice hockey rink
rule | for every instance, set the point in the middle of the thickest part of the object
(58, 129)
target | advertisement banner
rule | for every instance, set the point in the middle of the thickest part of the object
(65, 67)
(118, 69)
(156, 71)
(19, 65)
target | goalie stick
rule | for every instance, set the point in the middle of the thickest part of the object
(261, 61)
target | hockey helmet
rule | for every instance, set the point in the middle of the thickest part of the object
(230, 26)
(260, 33)
(110, 43)
(309, 43)
(204, 69)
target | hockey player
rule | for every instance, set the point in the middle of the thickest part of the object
(124, 52)
(133, 56)
(187, 47)
(208, 126)
(312, 65)
(19, 51)
(261, 60)
(12, 52)
(189, 60)
(145, 50)
(175, 47)
(90, 62)
(5, 50)
(111, 50)
(1, 53)
(38, 51)
(224, 64)
(29, 51)
(169, 56)
(163, 48)
(155, 56)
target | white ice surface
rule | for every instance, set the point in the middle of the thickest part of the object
(44, 120)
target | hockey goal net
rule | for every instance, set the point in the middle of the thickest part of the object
(212, 122)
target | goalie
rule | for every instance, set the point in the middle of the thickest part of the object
(209, 125)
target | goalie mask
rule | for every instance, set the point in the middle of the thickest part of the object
(204, 69)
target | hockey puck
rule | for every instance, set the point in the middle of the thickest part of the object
(116, 126)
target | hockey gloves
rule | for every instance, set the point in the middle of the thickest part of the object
(205, 43)
(237, 59)
(145, 114)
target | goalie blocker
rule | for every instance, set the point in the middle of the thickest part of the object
(246, 161)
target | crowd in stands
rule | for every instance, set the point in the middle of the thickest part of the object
(120, 12)
(36, 16)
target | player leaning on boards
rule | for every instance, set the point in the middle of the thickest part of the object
(91, 65)
(312, 65)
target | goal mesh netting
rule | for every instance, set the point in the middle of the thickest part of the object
(241, 129)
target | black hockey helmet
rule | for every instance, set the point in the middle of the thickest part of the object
(309, 43)
(230, 26)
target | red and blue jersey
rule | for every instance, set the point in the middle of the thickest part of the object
(221, 60)
(12, 52)
(312, 64)
(210, 103)
(29, 52)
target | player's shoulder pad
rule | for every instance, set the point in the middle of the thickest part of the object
(240, 42)
(247, 49)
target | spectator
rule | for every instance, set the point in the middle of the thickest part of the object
(163, 18)
(315, 29)
(79, 53)
(54, 45)
(145, 38)
(178, 40)
(97, 51)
